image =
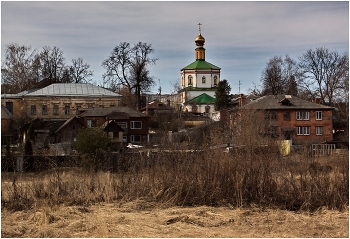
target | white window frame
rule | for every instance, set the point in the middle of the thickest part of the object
(132, 124)
(123, 125)
(303, 115)
(90, 123)
(132, 138)
(319, 115)
(319, 130)
(303, 130)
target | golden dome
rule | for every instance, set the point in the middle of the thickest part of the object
(199, 40)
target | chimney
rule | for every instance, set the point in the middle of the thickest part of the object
(242, 100)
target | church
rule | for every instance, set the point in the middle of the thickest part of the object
(199, 81)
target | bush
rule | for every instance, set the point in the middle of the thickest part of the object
(92, 145)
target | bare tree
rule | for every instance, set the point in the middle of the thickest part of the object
(19, 69)
(279, 76)
(52, 64)
(80, 72)
(272, 77)
(127, 66)
(323, 72)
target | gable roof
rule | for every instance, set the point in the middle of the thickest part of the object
(73, 89)
(275, 102)
(110, 124)
(67, 122)
(201, 64)
(113, 111)
(201, 99)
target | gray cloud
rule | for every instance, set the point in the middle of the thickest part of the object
(240, 36)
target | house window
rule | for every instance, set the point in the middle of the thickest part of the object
(115, 134)
(286, 115)
(303, 115)
(33, 110)
(9, 106)
(305, 130)
(271, 115)
(55, 109)
(190, 80)
(319, 130)
(135, 138)
(203, 79)
(136, 125)
(67, 109)
(44, 110)
(125, 138)
(318, 115)
(78, 107)
(92, 123)
(123, 125)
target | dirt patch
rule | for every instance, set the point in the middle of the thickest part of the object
(144, 219)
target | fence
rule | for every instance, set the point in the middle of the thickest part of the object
(323, 149)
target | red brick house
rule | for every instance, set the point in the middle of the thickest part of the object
(291, 118)
(133, 123)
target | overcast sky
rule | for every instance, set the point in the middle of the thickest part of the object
(240, 36)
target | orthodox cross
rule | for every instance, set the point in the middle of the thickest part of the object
(199, 25)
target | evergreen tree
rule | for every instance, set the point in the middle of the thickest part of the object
(222, 95)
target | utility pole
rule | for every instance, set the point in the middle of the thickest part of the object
(239, 87)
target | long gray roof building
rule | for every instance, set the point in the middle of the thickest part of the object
(78, 89)
(282, 102)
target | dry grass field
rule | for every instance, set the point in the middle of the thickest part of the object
(146, 219)
(250, 192)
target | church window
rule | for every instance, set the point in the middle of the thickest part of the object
(190, 79)
(203, 79)
(207, 109)
(194, 108)
(215, 80)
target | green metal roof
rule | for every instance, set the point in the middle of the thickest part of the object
(201, 64)
(202, 99)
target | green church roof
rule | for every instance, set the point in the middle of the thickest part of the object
(202, 99)
(201, 64)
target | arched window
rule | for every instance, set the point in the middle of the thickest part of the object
(203, 79)
(194, 108)
(215, 80)
(207, 109)
(190, 80)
